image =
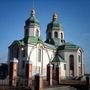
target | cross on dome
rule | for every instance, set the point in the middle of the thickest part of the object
(33, 12)
(55, 16)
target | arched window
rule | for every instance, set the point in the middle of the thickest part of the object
(55, 34)
(71, 65)
(37, 32)
(61, 35)
(71, 60)
(64, 66)
(79, 58)
(39, 55)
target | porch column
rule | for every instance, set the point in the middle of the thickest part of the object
(50, 74)
(29, 73)
(38, 82)
(58, 74)
(13, 69)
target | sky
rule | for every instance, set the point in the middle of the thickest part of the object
(74, 16)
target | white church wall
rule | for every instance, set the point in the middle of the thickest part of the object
(35, 30)
(46, 59)
(83, 68)
(52, 34)
(63, 71)
(53, 31)
(31, 32)
(32, 55)
(80, 63)
(37, 64)
(59, 33)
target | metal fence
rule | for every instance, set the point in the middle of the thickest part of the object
(21, 84)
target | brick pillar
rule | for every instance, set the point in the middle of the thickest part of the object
(38, 82)
(13, 68)
(58, 74)
(29, 73)
(87, 80)
(49, 74)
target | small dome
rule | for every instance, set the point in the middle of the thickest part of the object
(55, 24)
(32, 20)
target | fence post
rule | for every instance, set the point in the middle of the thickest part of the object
(87, 80)
(29, 73)
(13, 69)
(58, 74)
(49, 73)
(38, 82)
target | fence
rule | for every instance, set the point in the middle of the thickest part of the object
(23, 85)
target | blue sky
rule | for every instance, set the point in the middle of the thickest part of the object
(73, 14)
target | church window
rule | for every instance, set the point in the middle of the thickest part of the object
(71, 60)
(37, 32)
(79, 58)
(71, 65)
(55, 34)
(39, 55)
(64, 66)
(61, 35)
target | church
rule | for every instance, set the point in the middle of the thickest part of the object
(54, 50)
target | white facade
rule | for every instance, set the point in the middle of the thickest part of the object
(63, 70)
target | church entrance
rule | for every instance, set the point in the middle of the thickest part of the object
(54, 71)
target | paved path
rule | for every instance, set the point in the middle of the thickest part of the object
(61, 88)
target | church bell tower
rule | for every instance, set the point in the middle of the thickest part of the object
(32, 26)
(54, 32)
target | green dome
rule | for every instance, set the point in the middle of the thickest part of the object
(32, 20)
(54, 25)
